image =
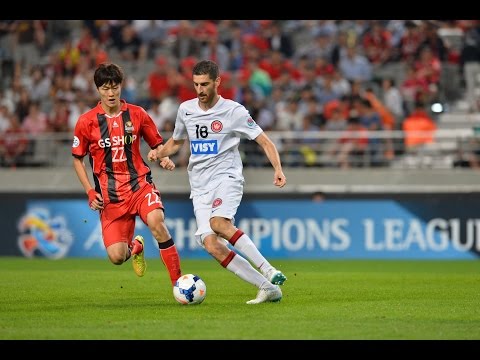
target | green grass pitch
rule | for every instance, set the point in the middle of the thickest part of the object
(82, 299)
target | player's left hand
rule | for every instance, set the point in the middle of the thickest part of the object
(167, 164)
(279, 179)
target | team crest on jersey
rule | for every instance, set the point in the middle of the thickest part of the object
(129, 127)
(76, 142)
(250, 122)
(217, 202)
(216, 126)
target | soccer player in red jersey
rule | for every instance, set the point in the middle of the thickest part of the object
(110, 134)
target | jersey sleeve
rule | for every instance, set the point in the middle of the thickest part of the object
(243, 123)
(81, 138)
(180, 130)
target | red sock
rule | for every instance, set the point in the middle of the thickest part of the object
(171, 260)
(136, 247)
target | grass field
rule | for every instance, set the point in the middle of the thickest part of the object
(74, 299)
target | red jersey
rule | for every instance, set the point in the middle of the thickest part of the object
(113, 146)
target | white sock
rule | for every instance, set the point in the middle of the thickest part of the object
(246, 246)
(244, 270)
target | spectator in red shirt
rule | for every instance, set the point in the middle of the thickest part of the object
(352, 145)
(185, 88)
(377, 44)
(13, 143)
(160, 84)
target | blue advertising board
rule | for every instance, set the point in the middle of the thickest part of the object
(349, 229)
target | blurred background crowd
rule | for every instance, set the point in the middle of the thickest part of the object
(333, 93)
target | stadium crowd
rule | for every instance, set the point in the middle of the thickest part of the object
(309, 76)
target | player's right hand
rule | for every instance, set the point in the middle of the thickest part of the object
(167, 164)
(95, 200)
(152, 155)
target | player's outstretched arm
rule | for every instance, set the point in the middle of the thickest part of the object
(279, 178)
(162, 151)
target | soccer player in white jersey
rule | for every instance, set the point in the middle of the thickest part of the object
(214, 126)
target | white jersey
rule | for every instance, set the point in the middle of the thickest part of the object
(214, 137)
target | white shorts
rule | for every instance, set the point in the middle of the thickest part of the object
(222, 201)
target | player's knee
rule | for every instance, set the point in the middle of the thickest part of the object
(117, 253)
(219, 224)
(116, 259)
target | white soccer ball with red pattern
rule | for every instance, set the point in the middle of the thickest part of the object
(190, 289)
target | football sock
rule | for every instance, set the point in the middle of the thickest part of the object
(243, 269)
(136, 247)
(171, 259)
(245, 245)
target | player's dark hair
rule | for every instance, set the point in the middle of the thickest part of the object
(108, 73)
(206, 67)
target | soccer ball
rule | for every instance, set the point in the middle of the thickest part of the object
(189, 289)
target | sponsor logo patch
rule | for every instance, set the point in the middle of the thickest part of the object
(128, 127)
(76, 142)
(204, 147)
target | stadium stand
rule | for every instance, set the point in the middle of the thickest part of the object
(306, 69)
